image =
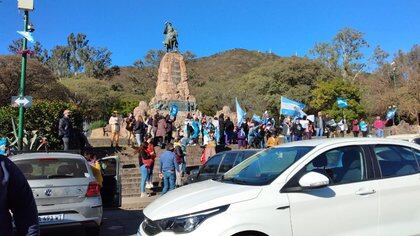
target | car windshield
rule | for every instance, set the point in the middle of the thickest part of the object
(264, 167)
(52, 168)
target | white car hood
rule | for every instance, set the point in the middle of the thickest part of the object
(198, 197)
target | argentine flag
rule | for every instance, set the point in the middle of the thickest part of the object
(27, 35)
(289, 107)
(391, 113)
(240, 113)
(342, 103)
(256, 118)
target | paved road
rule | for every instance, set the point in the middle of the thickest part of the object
(121, 222)
(116, 222)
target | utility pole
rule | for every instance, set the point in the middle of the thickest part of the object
(26, 6)
(22, 83)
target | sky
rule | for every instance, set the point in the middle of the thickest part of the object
(129, 28)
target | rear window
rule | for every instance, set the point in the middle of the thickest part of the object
(52, 168)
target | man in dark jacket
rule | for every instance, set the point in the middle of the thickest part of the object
(297, 130)
(229, 126)
(65, 129)
(222, 129)
(16, 196)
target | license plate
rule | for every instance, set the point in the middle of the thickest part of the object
(50, 218)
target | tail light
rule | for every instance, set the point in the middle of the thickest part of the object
(93, 190)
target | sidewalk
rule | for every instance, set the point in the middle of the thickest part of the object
(137, 203)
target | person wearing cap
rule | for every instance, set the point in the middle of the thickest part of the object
(65, 129)
(115, 124)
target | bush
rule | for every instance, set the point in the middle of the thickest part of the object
(97, 124)
(42, 116)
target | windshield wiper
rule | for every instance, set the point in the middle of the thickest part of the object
(58, 176)
(235, 181)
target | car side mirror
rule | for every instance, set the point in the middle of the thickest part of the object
(314, 180)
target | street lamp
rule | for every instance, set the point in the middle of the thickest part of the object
(26, 6)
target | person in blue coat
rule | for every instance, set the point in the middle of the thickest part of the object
(196, 127)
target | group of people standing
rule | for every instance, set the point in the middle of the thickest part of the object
(304, 128)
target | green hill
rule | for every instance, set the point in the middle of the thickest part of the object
(215, 81)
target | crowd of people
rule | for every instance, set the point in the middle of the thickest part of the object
(158, 130)
(150, 131)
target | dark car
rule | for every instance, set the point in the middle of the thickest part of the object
(219, 164)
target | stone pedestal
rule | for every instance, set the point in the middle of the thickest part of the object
(172, 83)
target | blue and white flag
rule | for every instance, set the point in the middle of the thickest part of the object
(173, 111)
(391, 113)
(289, 107)
(3, 144)
(342, 103)
(240, 113)
(27, 35)
(256, 118)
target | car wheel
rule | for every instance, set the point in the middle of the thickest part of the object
(93, 231)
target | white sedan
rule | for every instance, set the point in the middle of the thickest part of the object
(314, 187)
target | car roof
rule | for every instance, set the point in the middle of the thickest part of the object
(39, 155)
(324, 142)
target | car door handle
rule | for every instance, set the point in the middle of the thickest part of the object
(365, 191)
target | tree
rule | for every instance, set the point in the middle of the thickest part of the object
(348, 43)
(327, 54)
(40, 53)
(398, 85)
(379, 56)
(79, 51)
(59, 61)
(325, 94)
(97, 61)
(139, 64)
(343, 53)
(153, 58)
(41, 83)
(188, 56)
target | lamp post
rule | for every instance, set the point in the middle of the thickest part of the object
(26, 6)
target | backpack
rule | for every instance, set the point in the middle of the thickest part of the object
(179, 155)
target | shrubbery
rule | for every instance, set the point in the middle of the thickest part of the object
(42, 116)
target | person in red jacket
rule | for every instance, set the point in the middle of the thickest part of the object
(151, 151)
(355, 128)
(145, 162)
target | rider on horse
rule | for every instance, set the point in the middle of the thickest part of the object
(171, 39)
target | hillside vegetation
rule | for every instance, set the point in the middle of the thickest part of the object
(82, 75)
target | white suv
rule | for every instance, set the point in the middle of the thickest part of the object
(315, 187)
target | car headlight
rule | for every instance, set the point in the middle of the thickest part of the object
(184, 223)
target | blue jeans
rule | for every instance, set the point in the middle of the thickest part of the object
(379, 133)
(319, 132)
(144, 176)
(139, 139)
(150, 176)
(287, 139)
(168, 181)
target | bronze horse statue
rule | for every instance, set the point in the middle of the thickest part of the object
(171, 37)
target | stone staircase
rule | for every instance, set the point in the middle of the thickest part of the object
(129, 168)
(130, 173)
